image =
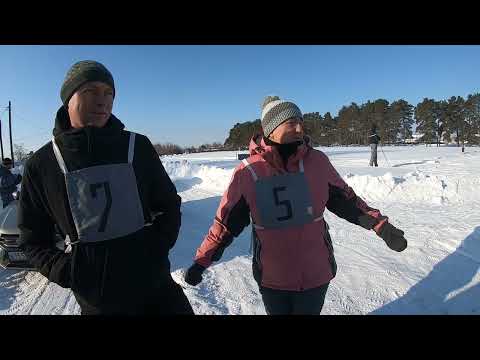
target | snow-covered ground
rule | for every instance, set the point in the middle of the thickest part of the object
(432, 193)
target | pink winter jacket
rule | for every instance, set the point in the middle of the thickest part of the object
(300, 257)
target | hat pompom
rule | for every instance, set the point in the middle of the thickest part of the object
(269, 99)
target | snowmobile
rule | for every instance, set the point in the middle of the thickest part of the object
(11, 255)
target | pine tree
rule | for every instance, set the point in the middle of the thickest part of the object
(406, 119)
(241, 133)
(440, 115)
(425, 119)
(380, 118)
(394, 120)
(344, 126)
(330, 129)
(472, 119)
(455, 118)
(313, 127)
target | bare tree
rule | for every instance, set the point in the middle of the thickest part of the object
(20, 152)
(168, 149)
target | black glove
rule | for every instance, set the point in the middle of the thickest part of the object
(193, 276)
(393, 237)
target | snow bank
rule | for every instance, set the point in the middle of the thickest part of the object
(208, 177)
(416, 187)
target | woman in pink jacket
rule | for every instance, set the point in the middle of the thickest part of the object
(284, 187)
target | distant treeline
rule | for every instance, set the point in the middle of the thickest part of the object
(456, 119)
(445, 120)
(172, 149)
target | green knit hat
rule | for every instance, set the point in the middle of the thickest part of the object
(82, 72)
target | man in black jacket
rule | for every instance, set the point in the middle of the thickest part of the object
(373, 140)
(107, 192)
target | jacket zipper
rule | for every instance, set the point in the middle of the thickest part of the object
(89, 144)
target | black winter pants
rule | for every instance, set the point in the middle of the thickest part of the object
(170, 300)
(284, 302)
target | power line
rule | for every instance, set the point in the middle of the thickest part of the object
(28, 121)
(3, 112)
(20, 116)
(39, 132)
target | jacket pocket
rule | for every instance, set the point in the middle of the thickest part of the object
(88, 272)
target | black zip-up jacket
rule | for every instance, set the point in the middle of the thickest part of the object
(374, 138)
(118, 273)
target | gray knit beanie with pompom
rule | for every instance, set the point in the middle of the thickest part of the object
(276, 111)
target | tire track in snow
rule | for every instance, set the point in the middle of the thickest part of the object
(28, 294)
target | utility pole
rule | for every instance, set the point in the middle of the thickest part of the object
(1, 142)
(10, 125)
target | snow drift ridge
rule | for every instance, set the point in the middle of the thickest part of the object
(413, 187)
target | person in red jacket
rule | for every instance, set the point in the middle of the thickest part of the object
(284, 187)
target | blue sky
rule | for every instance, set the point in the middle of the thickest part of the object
(191, 95)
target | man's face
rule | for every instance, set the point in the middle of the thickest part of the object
(288, 132)
(8, 166)
(91, 105)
